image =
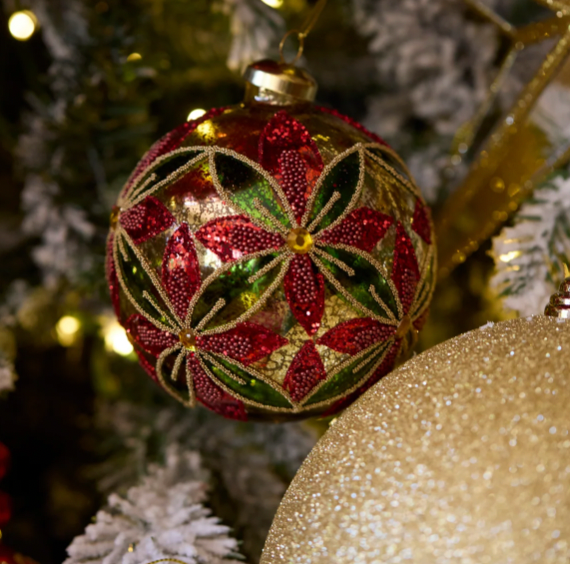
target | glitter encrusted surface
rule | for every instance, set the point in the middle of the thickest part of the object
(462, 455)
(283, 250)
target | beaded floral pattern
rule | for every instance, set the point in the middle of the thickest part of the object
(299, 229)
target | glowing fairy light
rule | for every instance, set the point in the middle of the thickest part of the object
(67, 330)
(134, 57)
(195, 114)
(273, 3)
(22, 25)
(116, 339)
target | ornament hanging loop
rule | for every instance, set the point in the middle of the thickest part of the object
(303, 32)
(301, 37)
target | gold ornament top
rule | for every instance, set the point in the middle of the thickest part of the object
(559, 305)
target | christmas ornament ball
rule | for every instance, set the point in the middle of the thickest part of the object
(270, 260)
(460, 455)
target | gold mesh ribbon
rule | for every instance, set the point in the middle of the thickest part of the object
(514, 158)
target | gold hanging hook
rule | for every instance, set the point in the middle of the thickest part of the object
(303, 32)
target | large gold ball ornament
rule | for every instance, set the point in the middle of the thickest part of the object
(462, 455)
(272, 259)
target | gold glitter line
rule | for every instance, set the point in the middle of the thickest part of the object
(153, 277)
(350, 390)
(215, 275)
(158, 309)
(381, 303)
(408, 185)
(419, 299)
(379, 267)
(227, 196)
(126, 202)
(206, 319)
(190, 386)
(157, 163)
(325, 172)
(340, 289)
(227, 372)
(128, 294)
(342, 265)
(170, 179)
(370, 359)
(269, 266)
(277, 225)
(326, 209)
(389, 151)
(257, 306)
(248, 401)
(166, 386)
(177, 364)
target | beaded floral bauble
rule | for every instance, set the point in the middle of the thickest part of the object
(270, 262)
(460, 456)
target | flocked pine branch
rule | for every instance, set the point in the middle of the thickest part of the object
(163, 517)
(253, 462)
(529, 255)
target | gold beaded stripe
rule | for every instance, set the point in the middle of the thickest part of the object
(143, 187)
(345, 364)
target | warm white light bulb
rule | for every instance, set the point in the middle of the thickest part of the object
(116, 339)
(273, 3)
(67, 329)
(195, 114)
(22, 25)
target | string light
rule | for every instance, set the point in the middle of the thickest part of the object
(22, 25)
(195, 114)
(134, 57)
(273, 3)
(67, 330)
(116, 339)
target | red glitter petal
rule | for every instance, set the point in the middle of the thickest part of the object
(305, 372)
(181, 270)
(351, 122)
(147, 219)
(421, 223)
(4, 460)
(385, 368)
(5, 511)
(234, 236)
(356, 335)
(247, 343)
(212, 396)
(112, 279)
(405, 271)
(305, 292)
(169, 142)
(147, 336)
(362, 228)
(288, 152)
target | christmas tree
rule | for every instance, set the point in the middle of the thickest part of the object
(88, 87)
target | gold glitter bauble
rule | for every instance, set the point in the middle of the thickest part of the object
(460, 456)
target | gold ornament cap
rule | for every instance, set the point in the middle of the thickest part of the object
(278, 83)
(559, 305)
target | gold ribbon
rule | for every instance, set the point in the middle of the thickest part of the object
(514, 158)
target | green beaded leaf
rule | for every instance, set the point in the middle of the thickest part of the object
(358, 286)
(243, 184)
(236, 289)
(346, 378)
(254, 388)
(173, 165)
(136, 280)
(342, 178)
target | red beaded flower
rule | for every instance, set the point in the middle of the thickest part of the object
(173, 336)
(308, 208)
